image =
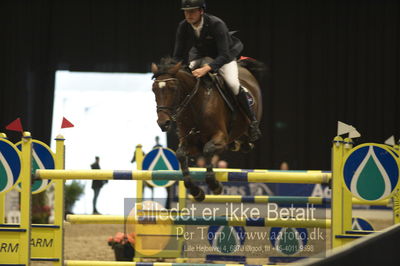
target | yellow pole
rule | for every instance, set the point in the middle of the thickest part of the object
(346, 195)
(385, 202)
(24, 250)
(59, 202)
(126, 263)
(139, 183)
(294, 199)
(336, 207)
(139, 187)
(182, 205)
(250, 177)
(171, 220)
(3, 196)
(396, 196)
(396, 207)
(182, 195)
(2, 208)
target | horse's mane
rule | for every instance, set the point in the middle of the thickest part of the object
(165, 64)
(257, 68)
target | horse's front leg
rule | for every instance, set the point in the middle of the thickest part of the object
(194, 189)
(216, 145)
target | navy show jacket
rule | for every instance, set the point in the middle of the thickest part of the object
(215, 41)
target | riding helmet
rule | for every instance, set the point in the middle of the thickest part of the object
(192, 4)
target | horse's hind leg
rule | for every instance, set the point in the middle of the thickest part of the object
(216, 145)
(194, 189)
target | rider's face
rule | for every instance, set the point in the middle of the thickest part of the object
(193, 16)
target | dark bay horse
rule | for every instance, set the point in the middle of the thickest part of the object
(205, 125)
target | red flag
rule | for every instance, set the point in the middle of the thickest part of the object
(65, 123)
(15, 125)
(246, 58)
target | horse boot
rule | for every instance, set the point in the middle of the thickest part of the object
(254, 131)
(214, 185)
(194, 190)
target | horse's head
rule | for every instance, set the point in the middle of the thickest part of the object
(166, 90)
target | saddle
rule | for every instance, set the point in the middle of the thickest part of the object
(216, 81)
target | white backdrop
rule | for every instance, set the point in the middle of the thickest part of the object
(112, 113)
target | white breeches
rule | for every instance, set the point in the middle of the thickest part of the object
(229, 72)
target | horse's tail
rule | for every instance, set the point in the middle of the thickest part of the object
(257, 68)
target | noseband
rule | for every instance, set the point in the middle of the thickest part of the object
(176, 110)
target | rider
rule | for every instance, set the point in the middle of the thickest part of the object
(205, 41)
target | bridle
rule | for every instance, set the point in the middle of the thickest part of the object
(175, 110)
(169, 110)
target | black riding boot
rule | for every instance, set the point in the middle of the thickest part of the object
(254, 131)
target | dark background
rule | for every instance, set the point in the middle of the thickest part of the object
(328, 60)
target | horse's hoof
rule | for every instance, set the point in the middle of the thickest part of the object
(200, 196)
(214, 185)
(235, 146)
(218, 190)
(246, 147)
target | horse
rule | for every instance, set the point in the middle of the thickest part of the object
(205, 124)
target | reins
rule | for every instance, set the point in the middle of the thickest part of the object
(186, 101)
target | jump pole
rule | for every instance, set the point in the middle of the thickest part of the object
(2, 208)
(198, 220)
(139, 162)
(282, 200)
(2, 196)
(396, 196)
(337, 208)
(254, 177)
(120, 263)
(25, 200)
(346, 196)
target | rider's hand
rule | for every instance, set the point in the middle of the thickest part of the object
(198, 73)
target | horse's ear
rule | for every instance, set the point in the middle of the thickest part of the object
(175, 68)
(154, 68)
